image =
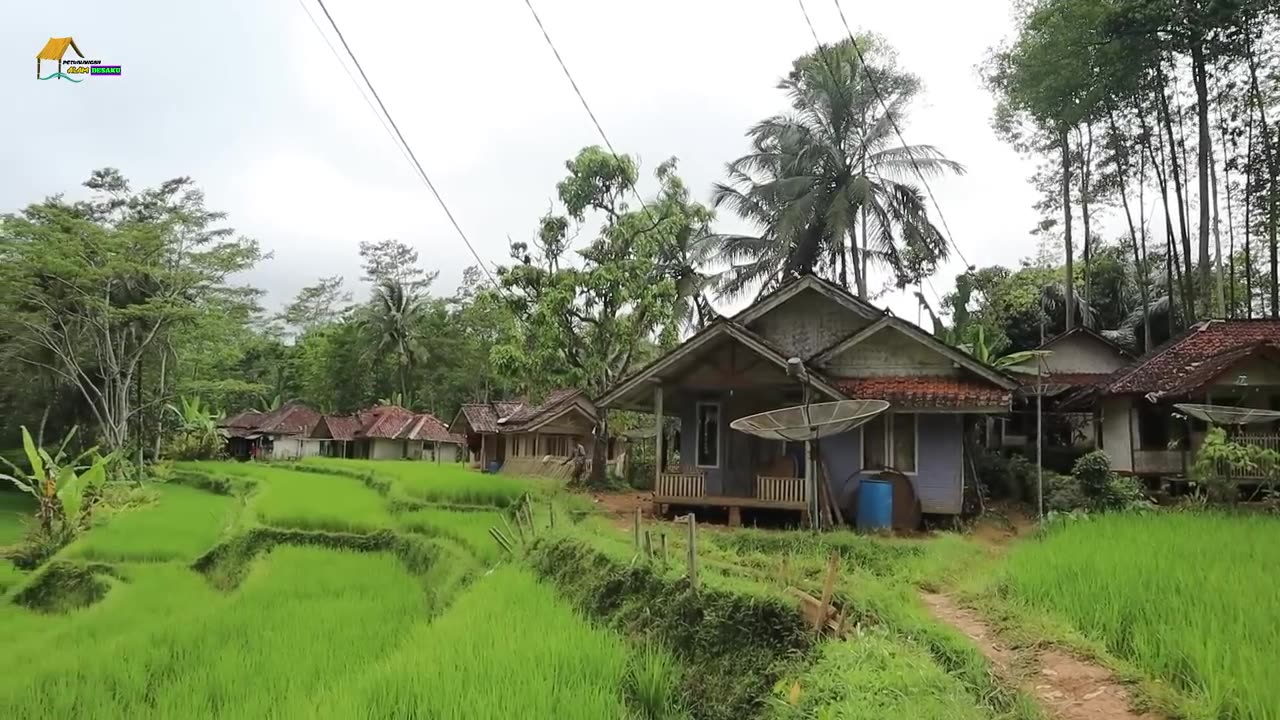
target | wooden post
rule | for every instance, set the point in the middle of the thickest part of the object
(662, 539)
(635, 528)
(551, 514)
(693, 550)
(507, 525)
(657, 434)
(648, 544)
(828, 587)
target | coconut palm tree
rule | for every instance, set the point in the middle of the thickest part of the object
(828, 183)
(392, 322)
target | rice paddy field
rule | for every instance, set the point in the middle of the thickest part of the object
(446, 483)
(151, 623)
(343, 588)
(1192, 599)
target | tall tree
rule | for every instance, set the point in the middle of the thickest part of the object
(829, 184)
(316, 305)
(394, 261)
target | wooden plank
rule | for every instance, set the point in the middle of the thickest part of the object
(828, 587)
(725, 501)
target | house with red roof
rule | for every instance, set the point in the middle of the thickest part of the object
(849, 349)
(386, 432)
(1225, 363)
(559, 426)
(280, 434)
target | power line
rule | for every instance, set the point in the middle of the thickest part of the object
(356, 83)
(875, 89)
(412, 157)
(581, 98)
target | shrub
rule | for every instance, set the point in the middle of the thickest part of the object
(1062, 493)
(1007, 477)
(1103, 489)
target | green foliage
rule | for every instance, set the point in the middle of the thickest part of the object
(1219, 457)
(1177, 594)
(182, 525)
(16, 510)
(426, 482)
(874, 676)
(306, 501)
(65, 492)
(1104, 489)
(740, 644)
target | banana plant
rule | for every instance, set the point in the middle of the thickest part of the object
(57, 484)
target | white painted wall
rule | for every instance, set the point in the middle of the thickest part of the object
(293, 448)
(380, 449)
(1119, 431)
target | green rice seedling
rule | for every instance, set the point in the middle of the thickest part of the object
(874, 676)
(308, 501)
(652, 681)
(15, 510)
(471, 528)
(1189, 599)
(508, 648)
(443, 483)
(163, 643)
(183, 524)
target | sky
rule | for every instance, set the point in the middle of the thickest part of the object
(245, 97)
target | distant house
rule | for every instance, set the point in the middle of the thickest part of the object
(386, 432)
(1077, 359)
(1216, 362)
(283, 433)
(849, 348)
(500, 431)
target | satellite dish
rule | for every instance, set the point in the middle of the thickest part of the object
(810, 422)
(1228, 415)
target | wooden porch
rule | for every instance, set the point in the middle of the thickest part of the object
(689, 489)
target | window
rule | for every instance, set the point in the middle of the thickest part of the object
(889, 441)
(708, 435)
(1153, 428)
(558, 445)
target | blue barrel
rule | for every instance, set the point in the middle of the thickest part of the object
(875, 505)
(494, 467)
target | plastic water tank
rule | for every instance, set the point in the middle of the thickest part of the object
(494, 467)
(875, 505)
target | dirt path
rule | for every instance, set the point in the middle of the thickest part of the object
(1067, 687)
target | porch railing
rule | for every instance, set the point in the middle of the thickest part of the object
(1265, 468)
(1158, 462)
(681, 485)
(780, 489)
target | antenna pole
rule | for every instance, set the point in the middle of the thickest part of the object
(1040, 426)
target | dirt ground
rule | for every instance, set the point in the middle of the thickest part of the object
(1067, 687)
(621, 507)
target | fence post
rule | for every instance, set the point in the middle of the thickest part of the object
(663, 540)
(648, 545)
(828, 587)
(635, 528)
(693, 550)
(551, 513)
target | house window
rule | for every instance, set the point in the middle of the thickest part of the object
(708, 435)
(1153, 428)
(890, 442)
(557, 445)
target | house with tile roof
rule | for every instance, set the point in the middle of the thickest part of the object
(280, 434)
(851, 349)
(523, 433)
(1075, 360)
(1215, 362)
(386, 432)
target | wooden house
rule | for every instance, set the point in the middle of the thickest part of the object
(1217, 362)
(499, 432)
(850, 348)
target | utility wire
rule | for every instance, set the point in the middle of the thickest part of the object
(413, 157)
(581, 98)
(875, 88)
(888, 114)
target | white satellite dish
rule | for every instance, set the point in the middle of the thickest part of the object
(1228, 415)
(810, 422)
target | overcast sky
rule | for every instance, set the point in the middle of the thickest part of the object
(245, 97)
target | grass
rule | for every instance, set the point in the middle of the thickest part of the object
(302, 620)
(1190, 599)
(469, 528)
(307, 501)
(182, 525)
(9, 575)
(508, 648)
(443, 483)
(15, 509)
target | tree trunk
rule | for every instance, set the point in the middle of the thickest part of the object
(1204, 170)
(1139, 263)
(164, 357)
(1086, 158)
(1248, 218)
(862, 291)
(1231, 233)
(1162, 181)
(1267, 147)
(1188, 296)
(1069, 290)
